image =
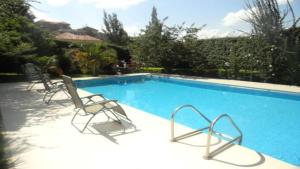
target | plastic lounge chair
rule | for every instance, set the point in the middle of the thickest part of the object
(92, 108)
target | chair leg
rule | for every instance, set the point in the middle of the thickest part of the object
(118, 119)
(44, 98)
(74, 124)
(74, 117)
(30, 86)
(66, 93)
(27, 88)
(48, 101)
(87, 123)
(122, 116)
(107, 115)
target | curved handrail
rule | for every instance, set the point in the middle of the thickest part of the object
(239, 138)
(180, 108)
(189, 106)
(231, 121)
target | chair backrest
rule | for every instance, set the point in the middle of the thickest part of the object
(32, 72)
(72, 89)
(46, 81)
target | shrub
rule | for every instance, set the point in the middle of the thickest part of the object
(94, 58)
(64, 63)
(107, 60)
(42, 61)
(81, 60)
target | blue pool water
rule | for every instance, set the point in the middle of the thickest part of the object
(270, 121)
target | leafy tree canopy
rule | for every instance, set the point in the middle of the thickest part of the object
(16, 23)
(19, 37)
(114, 30)
(270, 23)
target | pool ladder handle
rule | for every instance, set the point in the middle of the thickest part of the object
(208, 155)
(186, 135)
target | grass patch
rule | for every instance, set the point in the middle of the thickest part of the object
(11, 77)
(81, 75)
(15, 77)
(151, 69)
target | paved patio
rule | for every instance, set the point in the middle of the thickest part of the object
(40, 136)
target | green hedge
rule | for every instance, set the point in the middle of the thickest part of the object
(12, 77)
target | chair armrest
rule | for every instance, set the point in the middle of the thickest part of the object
(90, 98)
(61, 85)
(106, 101)
(103, 102)
(57, 82)
(93, 95)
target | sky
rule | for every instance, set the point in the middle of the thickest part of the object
(222, 17)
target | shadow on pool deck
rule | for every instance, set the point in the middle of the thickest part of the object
(27, 108)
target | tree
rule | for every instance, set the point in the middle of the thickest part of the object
(15, 25)
(180, 48)
(151, 41)
(19, 37)
(114, 30)
(268, 22)
(15, 40)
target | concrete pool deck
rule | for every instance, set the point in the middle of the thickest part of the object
(40, 136)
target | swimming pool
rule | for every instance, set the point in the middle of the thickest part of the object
(270, 120)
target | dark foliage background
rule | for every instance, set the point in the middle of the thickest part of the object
(270, 53)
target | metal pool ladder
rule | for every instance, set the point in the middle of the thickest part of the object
(173, 138)
(211, 131)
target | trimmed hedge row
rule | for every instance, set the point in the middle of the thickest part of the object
(214, 73)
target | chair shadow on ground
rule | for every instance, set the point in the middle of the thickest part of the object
(109, 129)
